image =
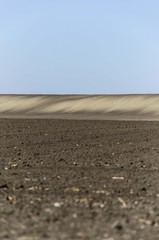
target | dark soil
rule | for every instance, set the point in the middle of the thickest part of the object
(89, 180)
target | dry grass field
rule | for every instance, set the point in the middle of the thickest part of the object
(130, 107)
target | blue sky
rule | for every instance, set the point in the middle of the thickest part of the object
(79, 46)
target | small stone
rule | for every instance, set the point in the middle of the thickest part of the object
(73, 189)
(14, 165)
(74, 215)
(57, 204)
(117, 178)
(75, 163)
(124, 205)
(33, 188)
(11, 198)
(145, 221)
(100, 192)
(131, 191)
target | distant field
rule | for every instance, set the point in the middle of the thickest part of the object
(122, 107)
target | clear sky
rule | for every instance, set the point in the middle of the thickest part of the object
(79, 46)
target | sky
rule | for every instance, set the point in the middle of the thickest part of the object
(79, 47)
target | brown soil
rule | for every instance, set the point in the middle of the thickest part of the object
(89, 180)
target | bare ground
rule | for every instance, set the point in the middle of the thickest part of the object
(70, 180)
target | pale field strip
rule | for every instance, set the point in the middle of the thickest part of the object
(144, 104)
